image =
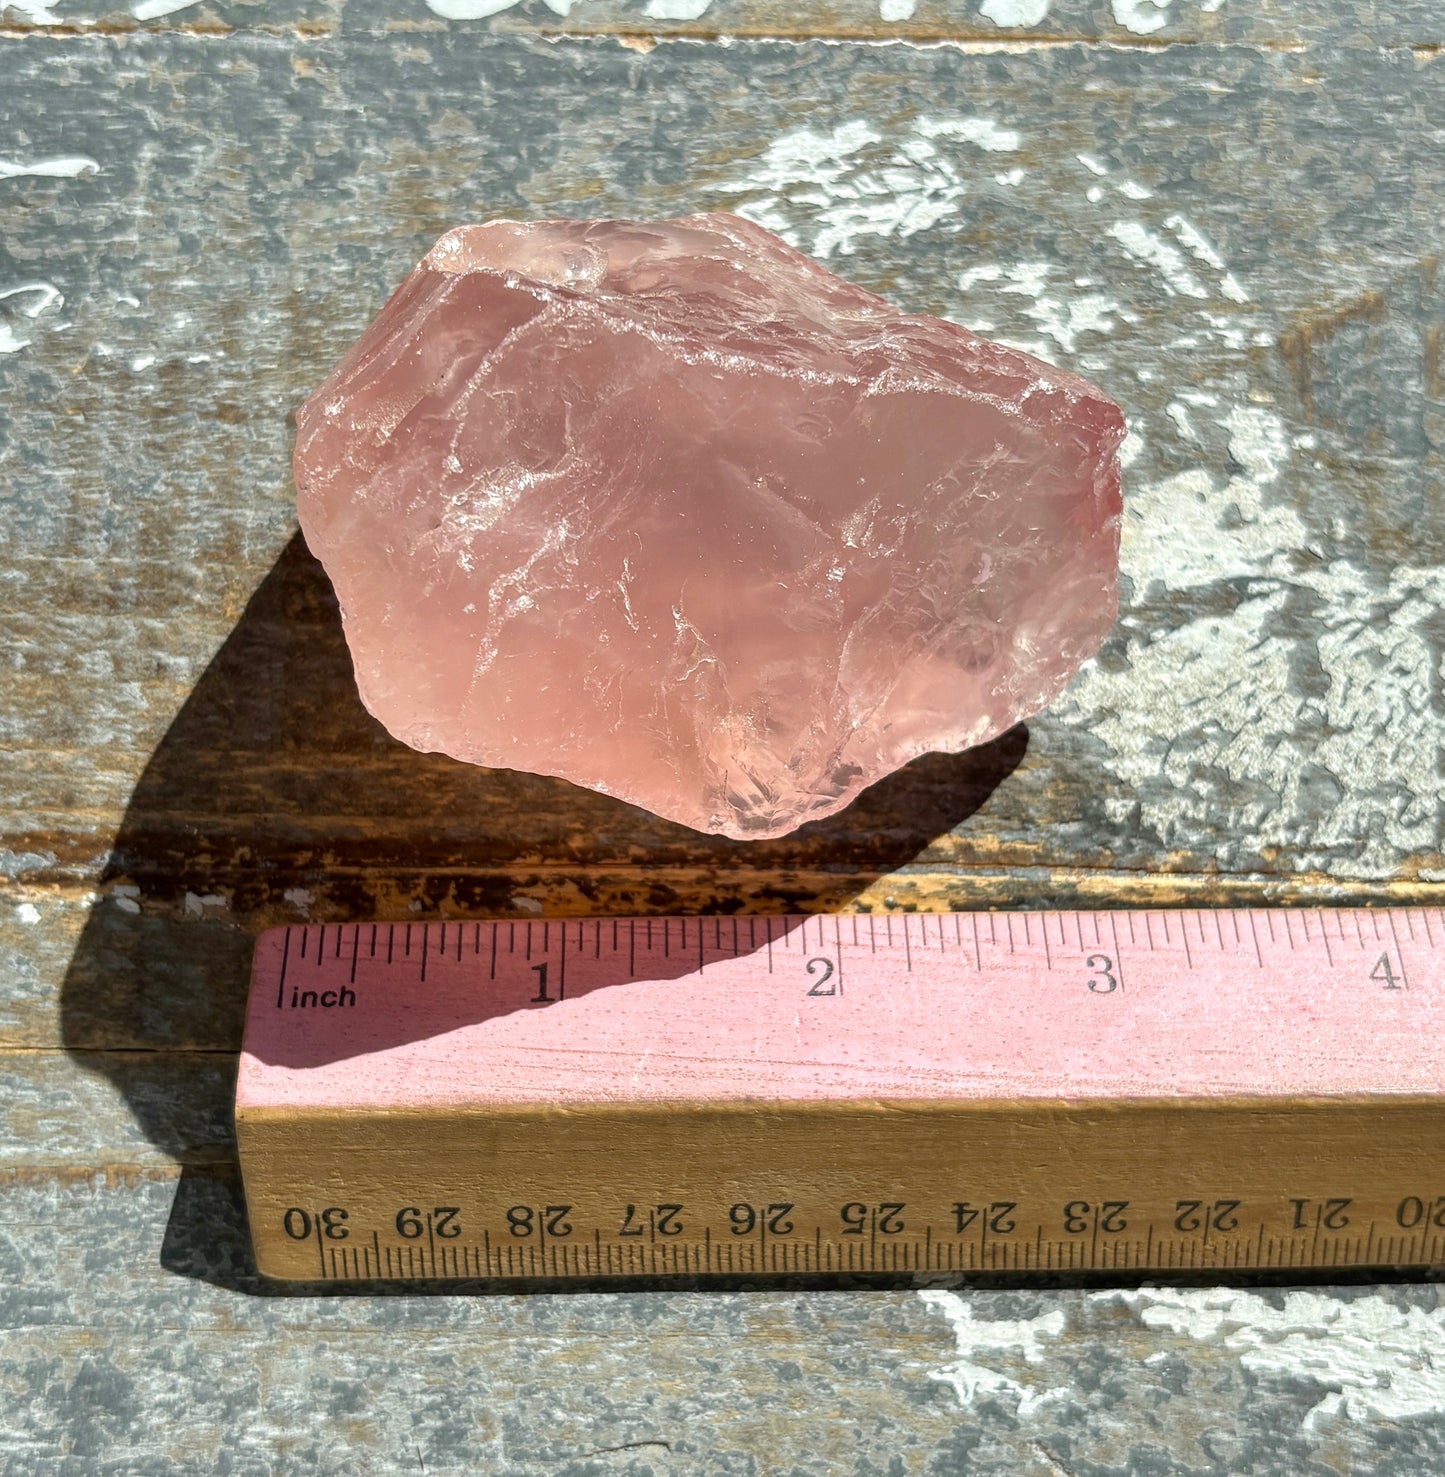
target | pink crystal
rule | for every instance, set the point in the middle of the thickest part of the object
(668, 510)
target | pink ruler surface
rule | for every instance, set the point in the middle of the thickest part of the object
(991, 1006)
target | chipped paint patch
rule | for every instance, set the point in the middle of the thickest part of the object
(1062, 314)
(1208, 726)
(72, 166)
(27, 913)
(469, 10)
(1014, 13)
(676, 10)
(1001, 1341)
(825, 190)
(150, 10)
(1199, 245)
(300, 898)
(46, 298)
(1376, 1361)
(986, 133)
(1152, 249)
(1142, 17)
(896, 10)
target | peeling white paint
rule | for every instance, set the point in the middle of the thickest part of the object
(1014, 12)
(72, 166)
(149, 10)
(1142, 17)
(1376, 1361)
(141, 363)
(1010, 177)
(1003, 1341)
(1061, 314)
(46, 297)
(38, 12)
(1152, 249)
(196, 904)
(824, 190)
(469, 10)
(27, 913)
(896, 10)
(985, 132)
(1134, 190)
(526, 904)
(300, 898)
(46, 294)
(1203, 250)
(1093, 165)
(676, 10)
(1209, 729)
(1178, 412)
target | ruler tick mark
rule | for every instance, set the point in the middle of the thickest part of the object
(1325, 940)
(1399, 953)
(285, 955)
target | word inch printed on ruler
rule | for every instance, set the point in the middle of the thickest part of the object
(647, 1097)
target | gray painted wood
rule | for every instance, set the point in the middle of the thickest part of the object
(1364, 23)
(1267, 704)
(1238, 241)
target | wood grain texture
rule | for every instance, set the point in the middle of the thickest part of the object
(1245, 255)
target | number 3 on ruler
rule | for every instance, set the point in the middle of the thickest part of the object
(1101, 974)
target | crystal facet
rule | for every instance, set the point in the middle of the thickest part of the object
(668, 510)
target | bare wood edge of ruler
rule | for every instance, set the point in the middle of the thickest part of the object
(1026, 1092)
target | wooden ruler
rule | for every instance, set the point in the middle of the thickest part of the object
(953, 1093)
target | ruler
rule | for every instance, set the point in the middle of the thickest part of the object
(645, 1097)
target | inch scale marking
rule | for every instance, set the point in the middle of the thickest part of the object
(642, 1097)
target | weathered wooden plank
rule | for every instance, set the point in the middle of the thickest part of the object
(117, 1356)
(116, 1112)
(1271, 322)
(1157, 22)
(1263, 725)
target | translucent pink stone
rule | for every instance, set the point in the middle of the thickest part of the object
(668, 510)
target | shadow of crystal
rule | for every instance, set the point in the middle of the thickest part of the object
(274, 792)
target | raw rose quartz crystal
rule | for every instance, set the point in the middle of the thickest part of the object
(668, 510)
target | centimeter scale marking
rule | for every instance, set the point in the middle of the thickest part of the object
(1067, 1091)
